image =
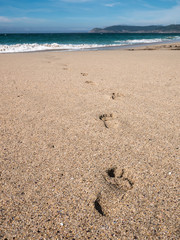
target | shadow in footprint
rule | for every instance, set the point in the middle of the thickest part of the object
(98, 206)
(110, 172)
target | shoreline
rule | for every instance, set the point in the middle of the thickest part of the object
(173, 45)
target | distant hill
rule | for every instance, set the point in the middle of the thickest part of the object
(174, 28)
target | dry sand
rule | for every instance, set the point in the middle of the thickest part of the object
(90, 145)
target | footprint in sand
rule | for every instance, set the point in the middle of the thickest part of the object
(84, 74)
(116, 95)
(118, 183)
(90, 82)
(109, 120)
(119, 178)
(51, 145)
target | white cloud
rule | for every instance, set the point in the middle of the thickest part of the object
(109, 5)
(112, 4)
(21, 19)
(160, 16)
(4, 19)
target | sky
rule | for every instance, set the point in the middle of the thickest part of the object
(83, 15)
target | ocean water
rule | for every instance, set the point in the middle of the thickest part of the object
(10, 43)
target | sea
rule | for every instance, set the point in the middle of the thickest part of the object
(13, 43)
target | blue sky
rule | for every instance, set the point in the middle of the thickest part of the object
(83, 15)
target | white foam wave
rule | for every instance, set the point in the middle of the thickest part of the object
(54, 46)
(136, 41)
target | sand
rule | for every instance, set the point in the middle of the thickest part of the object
(90, 144)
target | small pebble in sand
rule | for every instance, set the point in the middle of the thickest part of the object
(169, 173)
(61, 224)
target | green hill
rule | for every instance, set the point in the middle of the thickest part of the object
(174, 28)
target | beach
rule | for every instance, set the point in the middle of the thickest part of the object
(89, 144)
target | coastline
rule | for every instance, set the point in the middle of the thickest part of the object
(90, 144)
(174, 45)
(162, 45)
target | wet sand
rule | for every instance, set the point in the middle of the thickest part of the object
(90, 145)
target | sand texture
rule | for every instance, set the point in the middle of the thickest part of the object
(90, 145)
